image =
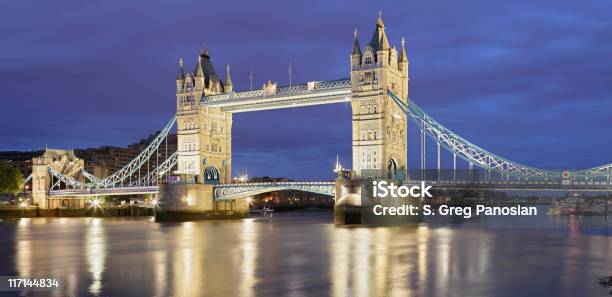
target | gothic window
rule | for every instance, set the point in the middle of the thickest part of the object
(187, 99)
(367, 60)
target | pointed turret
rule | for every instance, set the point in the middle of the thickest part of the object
(181, 72)
(379, 39)
(403, 59)
(338, 166)
(403, 56)
(356, 48)
(228, 88)
(384, 42)
(180, 77)
(198, 69)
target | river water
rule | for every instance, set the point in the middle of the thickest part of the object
(304, 254)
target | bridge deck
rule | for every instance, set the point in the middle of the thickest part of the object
(312, 93)
(234, 191)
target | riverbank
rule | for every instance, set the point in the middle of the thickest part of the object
(33, 212)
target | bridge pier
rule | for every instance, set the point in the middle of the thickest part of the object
(347, 209)
(182, 202)
(355, 202)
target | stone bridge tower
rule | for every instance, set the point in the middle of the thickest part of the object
(62, 161)
(204, 133)
(379, 125)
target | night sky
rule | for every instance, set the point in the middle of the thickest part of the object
(528, 80)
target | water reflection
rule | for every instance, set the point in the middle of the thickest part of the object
(308, 256)
(95, 250)
(248, 262)
(23, 248)
(159, 270)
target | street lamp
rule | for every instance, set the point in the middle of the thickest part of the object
(154, 203)
(22, 205)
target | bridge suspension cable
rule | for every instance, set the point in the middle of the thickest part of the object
(152, 177)
(129, 169)
(457, 145)
(124, 175)
(476, 155)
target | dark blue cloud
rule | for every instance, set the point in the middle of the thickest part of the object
(528, 80)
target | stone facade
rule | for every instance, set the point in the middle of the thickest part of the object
(185, 201)
(379, 125)
(204, 133)
(63, 161)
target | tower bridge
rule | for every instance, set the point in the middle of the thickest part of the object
(378, 92)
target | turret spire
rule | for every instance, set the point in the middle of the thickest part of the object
(205, 51)
(403, 57)
(181, 73)
(338, 166)
(228, 80)
(384, 42)
(198, 70)
(356, 48)
(379, 39)
(379, 22)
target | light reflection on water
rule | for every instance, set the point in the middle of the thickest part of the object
(303, 254)
(95, 246)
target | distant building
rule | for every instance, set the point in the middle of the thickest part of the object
(291, 199)
(106, 160)
(102, 161)
(21, 160)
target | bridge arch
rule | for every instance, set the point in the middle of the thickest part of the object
(211, 175)
(237, 191)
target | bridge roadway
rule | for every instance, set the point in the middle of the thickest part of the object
(241, 190)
